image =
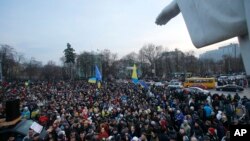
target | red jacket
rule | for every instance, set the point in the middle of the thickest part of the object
(103, 135)
(43, 119)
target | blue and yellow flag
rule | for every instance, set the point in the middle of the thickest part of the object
(92, 80)
(97, 79)
(134, 75)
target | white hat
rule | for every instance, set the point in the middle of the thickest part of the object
(219, 115)
(110, 137)
(178, 111)
(185, 121)
(153, 123)
(61, 132)
(135, 139)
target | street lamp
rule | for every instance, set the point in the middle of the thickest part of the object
(1, 74)
(1, 70)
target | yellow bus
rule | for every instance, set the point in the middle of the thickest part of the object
(208, 83)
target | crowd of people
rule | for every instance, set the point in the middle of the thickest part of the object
(79, 111)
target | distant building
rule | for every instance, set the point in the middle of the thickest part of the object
(231, 50)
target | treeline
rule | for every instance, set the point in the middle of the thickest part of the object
(152, 62)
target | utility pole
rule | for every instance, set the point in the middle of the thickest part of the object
(235, 59)
(1, 74)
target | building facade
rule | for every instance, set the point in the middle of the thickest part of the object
(232, 50)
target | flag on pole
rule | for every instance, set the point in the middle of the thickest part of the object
(98, 75)
(134, 75)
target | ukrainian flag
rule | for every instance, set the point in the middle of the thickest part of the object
(134, 75)
(92, 80)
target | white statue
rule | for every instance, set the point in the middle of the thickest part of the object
(212, 21)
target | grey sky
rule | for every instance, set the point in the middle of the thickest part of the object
(41, 28)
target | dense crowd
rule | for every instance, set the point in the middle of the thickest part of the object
(125, 112)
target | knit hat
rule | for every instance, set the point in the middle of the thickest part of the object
(211, 130)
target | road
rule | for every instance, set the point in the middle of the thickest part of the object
(246, 92)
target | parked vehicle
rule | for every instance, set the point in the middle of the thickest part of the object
(150, 83)
(196, 90)
(175, 85)
(222, 78)
(199, 86)
(159, 84)
(208, 82)
(230, 87)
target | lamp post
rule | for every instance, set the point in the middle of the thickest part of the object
(1, 69)
(1, 74)
(153, 70)
(98, 59)
(235, 59)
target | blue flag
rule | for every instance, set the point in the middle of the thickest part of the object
(98, 75)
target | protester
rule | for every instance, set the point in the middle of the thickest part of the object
(125, 111)
(226, 137)
(207, 112)
(26, 113)
(29, 136)
(212, 134)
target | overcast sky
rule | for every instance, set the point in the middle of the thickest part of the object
(42, 28)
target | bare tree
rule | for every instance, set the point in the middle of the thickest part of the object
(151, 53)
(108, 66)
(7, 58)
(51, 72)
(85, 64)
(191, 62)
(131, 58)
(33, 69)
